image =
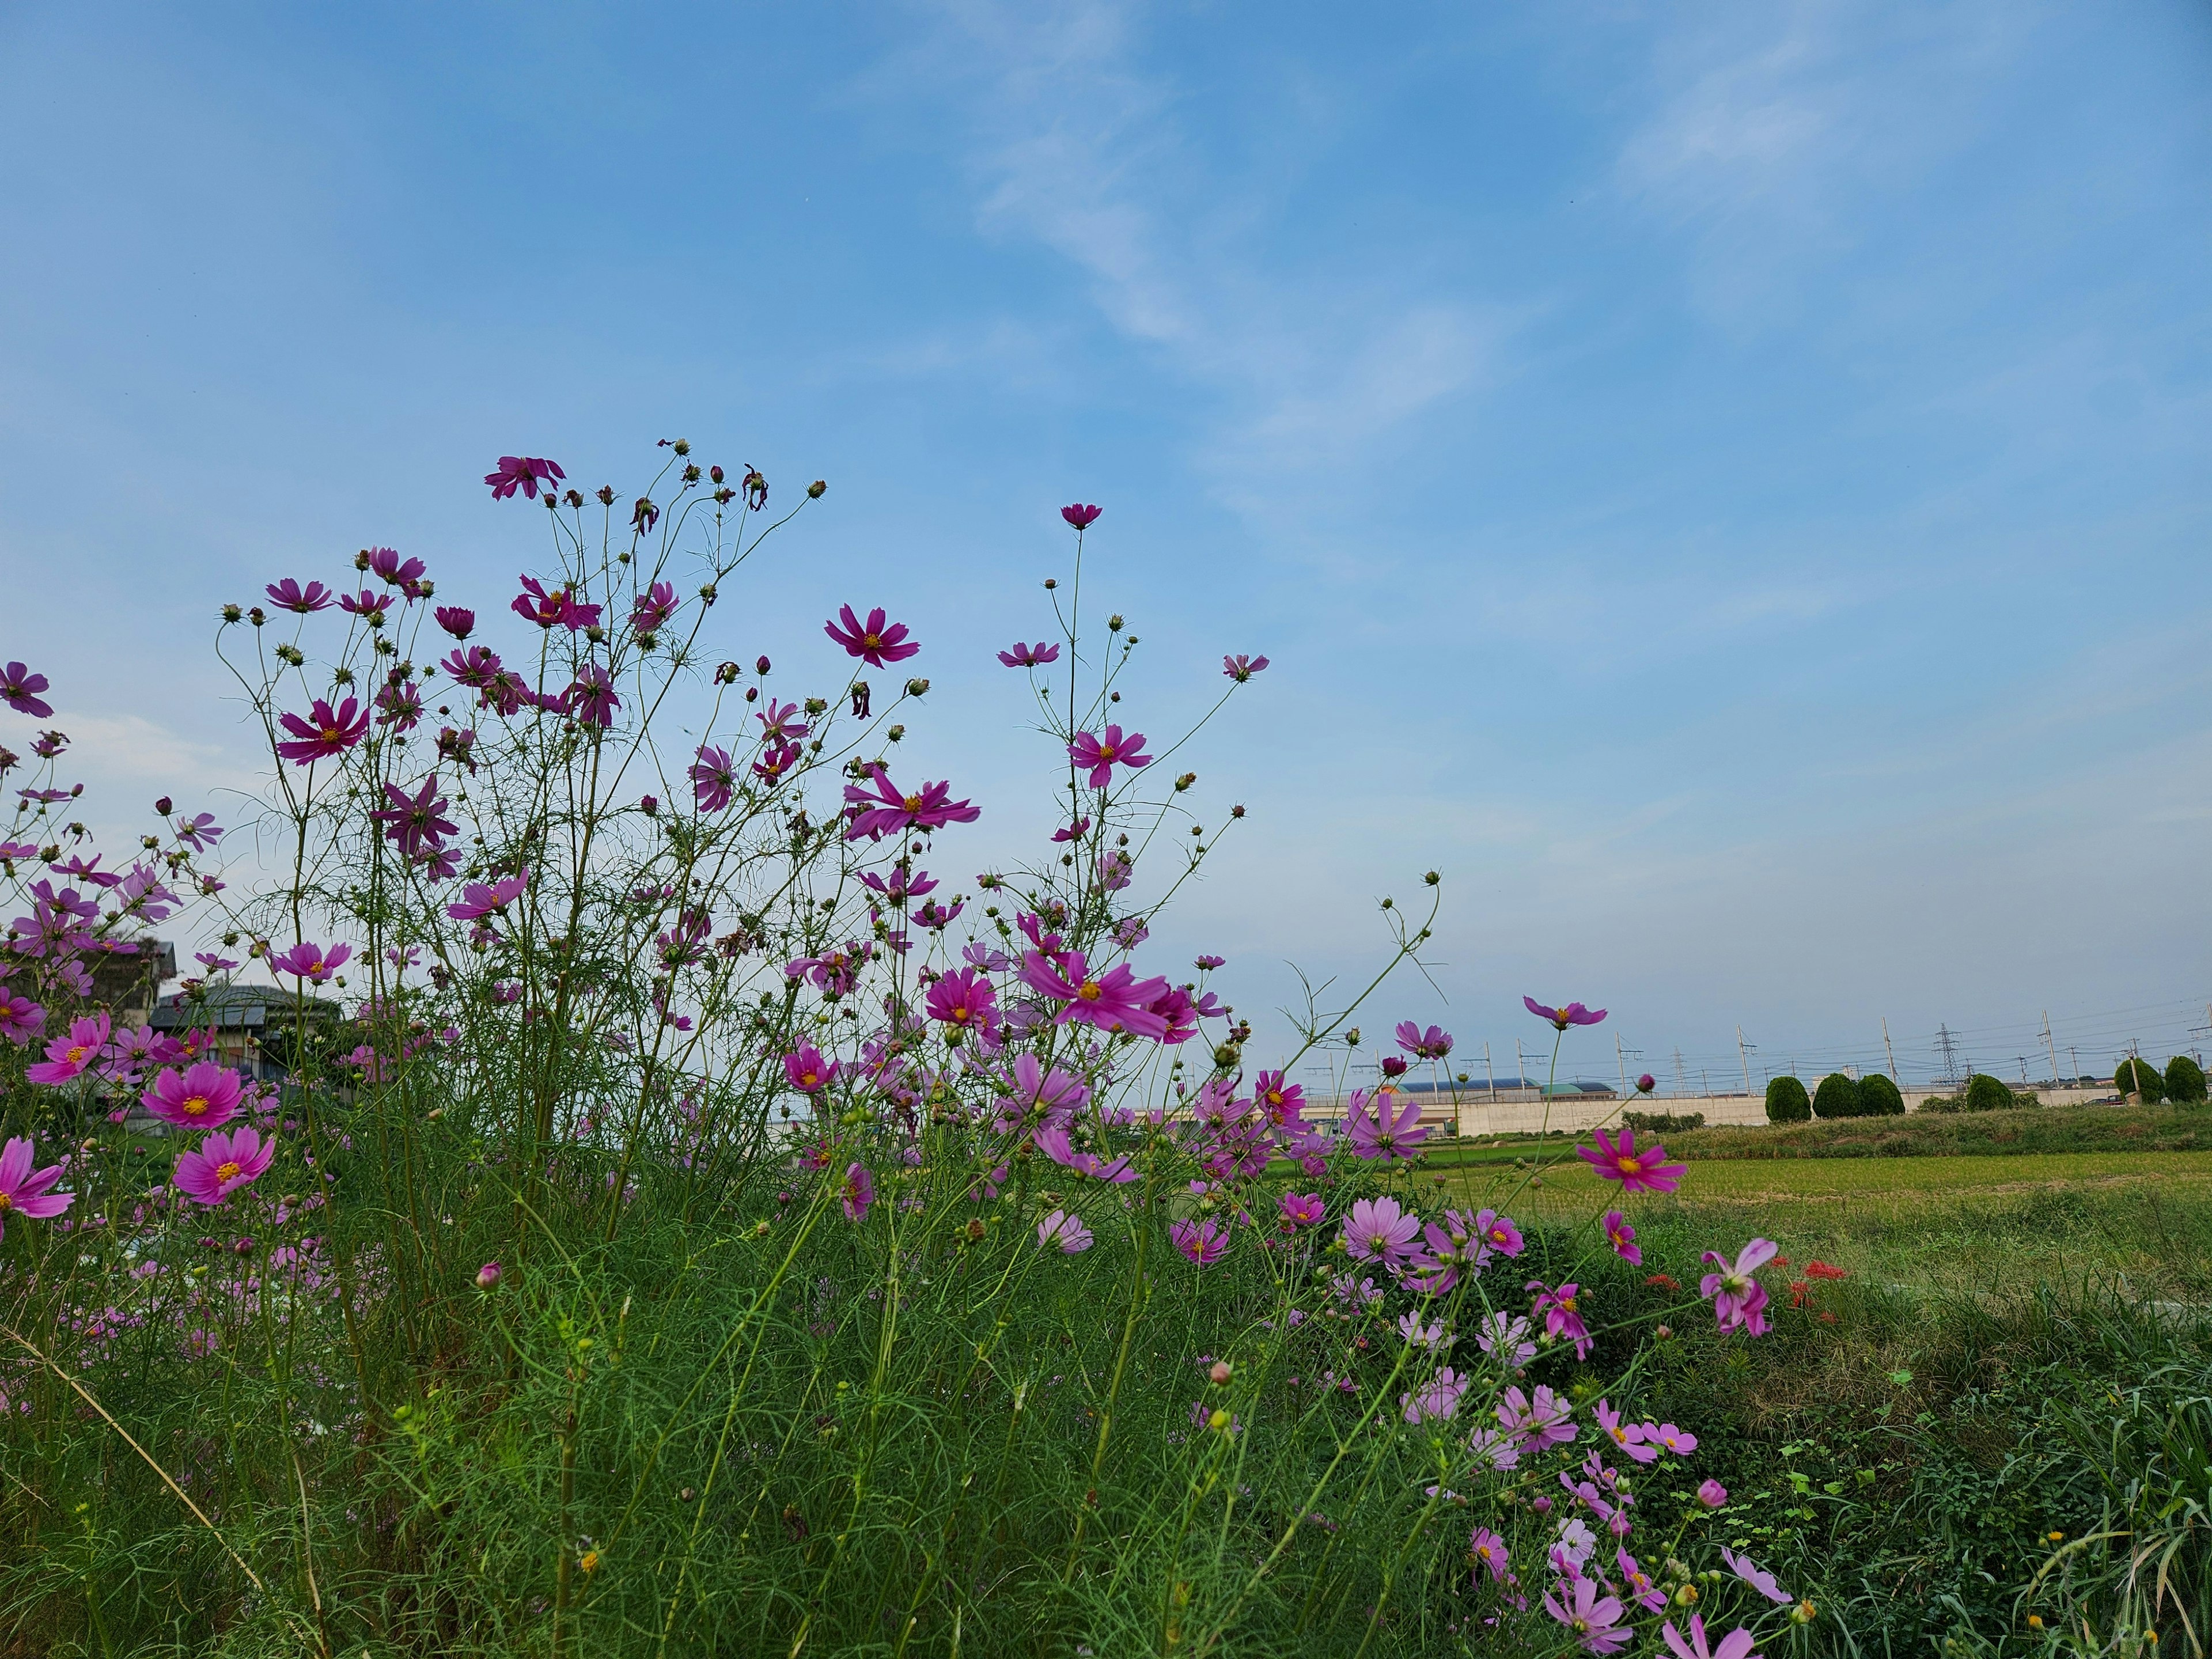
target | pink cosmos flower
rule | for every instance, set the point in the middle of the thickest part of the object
(323, 731)
(1629, 1437)
(1082, 517)
(777, 759)
(20, 688)
(653, 609)
(1594, 1619)
(1054, 1143)
(1437, 1399)
(1387, 1133)
(713, 779)
(1064, 1230)
(1736, 1645)
(807, 1070)
(288, 595)
(1116, 1000)
(1432, 1044)
(1739, 1300)
(963, 999)
(366, 603)
(1712, 1494)
(20, 1018)
(1622, 1238)
(1102, 754)
(1540, 1423)
(780, 722)
(1560, 1311)
(204, 1096)
(412, 820)
(1203, 1241)
(1040, 1099)
(1378, 1230)
(557, 609)
(858, 1192)
(888, 812)
(69, 1057)
(1757, 1576)
(1504, 1337)
(479, 900)
(1680, 1442)
(592, 696)
(1486, 1549)
(311, 962)
(1281, 1100)
(1637, 1172)
(457, 620)
(523, 472)
(1240, 668)
(1573, 1014)
(23, 1190)
(1499, 1233)
(392, 570)
(222, 1164)
(199, 832)
(1302, 1209)
(875, 642)
(1029, 656)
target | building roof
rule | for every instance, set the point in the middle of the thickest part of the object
(230, 1007)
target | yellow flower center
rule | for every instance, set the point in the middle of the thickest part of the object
(77, 1053)
(6, 1200)
(228, 1171)
(1089, 991)
(330, 734)
(960, 1015)
(1632, 1166)
(872, 641)
(806, 1079)
(1105, 751)
(914, 803)
(195, 1104)
(1567, 1303)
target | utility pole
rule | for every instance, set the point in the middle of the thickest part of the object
(1681, 1083)
(1705, 1073)
(2051, 1049)
(1743, 1054)
(1520, 1066)
(1890, 1051)
(2074, 1058)
(1490, 1072)
(1622, 1059)
(1945, 1045)
(2023, 1071)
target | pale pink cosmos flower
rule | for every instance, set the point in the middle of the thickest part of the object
(1736, 1645)
(1593, 1617)
(222, 1164)
(1504, 1337)
(1711, 1493)
(24, 1191)
(1486, 1549)
(1377, 1229)
(1636, 1585)
(857, 1192)
(1680, 1442)
(1383, 1130)
(1065, 1231)
(1538, 1424)
(1436, 1399)
(1739, 1300)
(1629, 1437)
(1757, 1576)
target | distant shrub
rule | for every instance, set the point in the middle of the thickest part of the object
(2139, 1077)
(1879, 1098)
(1663, 1123)
(1837, 1097)
(1787, 1101)
(2185, 1079)
(1987, 1094)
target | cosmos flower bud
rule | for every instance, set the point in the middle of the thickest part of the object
(573, 498)
(164, 805)
(760, 665)
(916, 687)
(1185, 781)
(488, 1276)
(232, 613)
(814, 491)
(257, 616)
(682, 445)
(727, 674)
(1645, 1083)
(606, 495)
(1712, 1494)
(715, 473)
(361, 560)
(649, 805)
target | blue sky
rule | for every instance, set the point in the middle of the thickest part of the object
(1728, 486)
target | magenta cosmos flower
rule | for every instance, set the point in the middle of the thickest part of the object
(1498, 1232)
(592, 696)
(887, 811)
(558, 609)
(23, 1190)
(1739, 1300)
(1573, 1014)
(222, 1164)
(1736, 1645)
(1634, 1438)
(1065, 1232)
(1561, 1312)
(1115, 1001)
(1385, 1132)
(20, 1018)
(653, 609)
(1637, 1172)
(20, 688)
(807, 1071)
(478, 901)
(964, 1000)
(876, 641)
(1054, 1145)
(1622, 1238)
(713, 779)
(1029, 656)
(857, 1192)
(1377, 1229)
(1432, 1044)
(1302, 1209)
(323, 731)
(311, 962)
(1593, 1617)
(1242, 669)
(288, 595)
(68, 1057)
(1080, 515)
(456, 619)
(1102, 754)
(413, 821)
(523, 472)
(1203, 1241)
(203, 1096)
(1037, 1098)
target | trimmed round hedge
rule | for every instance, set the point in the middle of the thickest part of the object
(1837, 1097)
(2185, 1079)
(1879, 1098)
(1787, 1101)
(1987, 1094)
(2132, 1076)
